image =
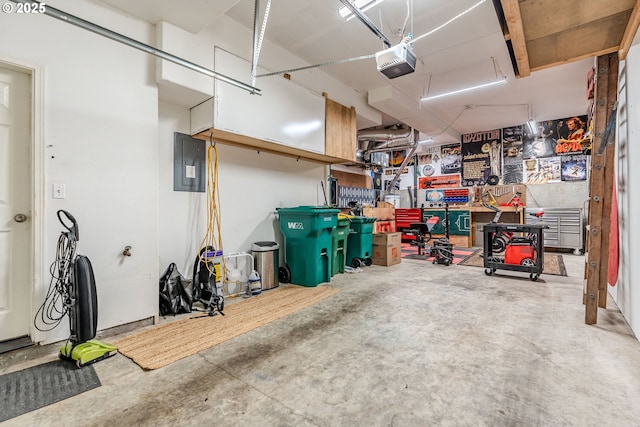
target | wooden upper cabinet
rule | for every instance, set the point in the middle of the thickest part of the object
(340, 131)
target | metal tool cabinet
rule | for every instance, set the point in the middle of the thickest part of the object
(404, 218)
(566, 227)
(493, 263)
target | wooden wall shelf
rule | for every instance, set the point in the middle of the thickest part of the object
(230, 138)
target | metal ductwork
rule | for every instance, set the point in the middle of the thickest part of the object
(369, 139)
(384, 135)
(379, 140)
(409, 155)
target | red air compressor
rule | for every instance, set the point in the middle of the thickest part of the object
(520, 252)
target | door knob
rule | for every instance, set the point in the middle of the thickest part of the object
(20, 218)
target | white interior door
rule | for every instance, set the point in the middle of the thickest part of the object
(15, 207)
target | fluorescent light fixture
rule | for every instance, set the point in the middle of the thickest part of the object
(467, 89)
(533, 126)
(424, 141)
(363, 5)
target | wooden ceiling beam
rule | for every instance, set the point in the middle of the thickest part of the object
(512, 15)
(630, 31)
(575, 58)
(543, 18)
(595, 38)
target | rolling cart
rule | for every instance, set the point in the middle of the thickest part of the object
(524, 252)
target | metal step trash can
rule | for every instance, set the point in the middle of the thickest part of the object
(267, 262)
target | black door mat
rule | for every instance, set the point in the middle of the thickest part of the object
(39, 386)
(15, 344)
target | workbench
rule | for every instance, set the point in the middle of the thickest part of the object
(479, 217)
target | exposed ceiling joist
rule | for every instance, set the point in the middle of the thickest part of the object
(546, 33)
(630, 32)
(591, 39)
(547, 17)
(516, 37)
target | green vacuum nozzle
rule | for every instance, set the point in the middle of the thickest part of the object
(87, 352)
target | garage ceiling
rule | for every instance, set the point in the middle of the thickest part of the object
(545, 48)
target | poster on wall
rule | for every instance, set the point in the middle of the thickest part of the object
(441, 181)
(405, 180)
(481, 157)
(530, 168)
(376, 178)
(573, 136)
(397, 157)
(429, 162)
(557, 137)
(574, 167)
(451, 158)
(542, 144)
(543, 171)
(549, 169)
(512, 146)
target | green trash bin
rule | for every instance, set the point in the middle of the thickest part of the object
(339, 237)
(360, 242)
(307, 234)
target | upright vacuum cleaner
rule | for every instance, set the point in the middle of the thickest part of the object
(73, 292)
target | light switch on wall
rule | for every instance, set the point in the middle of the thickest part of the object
(59, 191)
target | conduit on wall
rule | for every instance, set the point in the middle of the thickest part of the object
(79, 22)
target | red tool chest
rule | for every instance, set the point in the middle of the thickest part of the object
(404, 218)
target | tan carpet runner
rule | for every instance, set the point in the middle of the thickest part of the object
(167, 343)
(553, 263)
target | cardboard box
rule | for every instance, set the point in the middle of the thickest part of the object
(385, 205)
(386, 238)
(387, 249)
(384, 212)
(384, 227)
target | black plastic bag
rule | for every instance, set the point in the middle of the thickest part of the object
(176, 292)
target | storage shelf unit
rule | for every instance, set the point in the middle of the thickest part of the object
(566, 227)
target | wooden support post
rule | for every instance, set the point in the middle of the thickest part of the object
(600, 189)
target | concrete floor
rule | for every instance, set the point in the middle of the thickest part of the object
(415, 344)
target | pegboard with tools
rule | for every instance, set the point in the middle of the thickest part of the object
(500, 195)
(362, 196)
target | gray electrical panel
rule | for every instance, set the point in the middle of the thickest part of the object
(189, 163)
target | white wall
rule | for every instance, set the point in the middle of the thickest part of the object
(100, 139)
(251, 185)
(558, 195)
(626, 292)
(177, 84)
(107, 138)
(233, 37)
(182, 215)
